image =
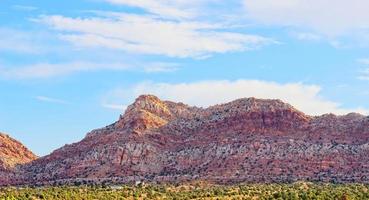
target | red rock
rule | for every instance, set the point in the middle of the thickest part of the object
(247, 140)
(12, 153)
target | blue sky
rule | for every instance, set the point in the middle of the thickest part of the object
(67, 67)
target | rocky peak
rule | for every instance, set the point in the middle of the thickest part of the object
(151, 104)
(262, 108)
(256, 105)
(147, 112)
(263, 105)
(348, 119)
(13, 152)
(340, 123)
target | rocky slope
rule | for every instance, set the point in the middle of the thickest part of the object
(249, 139)
(12, 153)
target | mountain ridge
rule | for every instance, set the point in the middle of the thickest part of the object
(246, 140)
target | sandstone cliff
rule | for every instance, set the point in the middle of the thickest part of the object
(12, 153)
(249, 139)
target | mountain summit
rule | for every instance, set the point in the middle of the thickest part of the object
(246, 140)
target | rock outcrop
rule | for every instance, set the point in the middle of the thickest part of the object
(247, 140)
(12, 153)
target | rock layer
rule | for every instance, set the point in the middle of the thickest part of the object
(247, 140)
(12, 153)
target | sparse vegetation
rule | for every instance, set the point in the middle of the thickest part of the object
(296, 191)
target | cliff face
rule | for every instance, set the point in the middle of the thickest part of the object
(249, 140)
(12, 153)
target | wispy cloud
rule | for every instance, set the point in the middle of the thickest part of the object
(24, 8)
(332, 18)
(51, 100)
(50, 70)
(364, 73)
(174, 8)
(306, 98)
(47, 70)
(150, 34)
(18, 41)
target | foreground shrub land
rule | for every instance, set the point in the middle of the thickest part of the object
(197, 191)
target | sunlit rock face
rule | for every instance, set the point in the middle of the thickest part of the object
(12, 154)
(247, 140)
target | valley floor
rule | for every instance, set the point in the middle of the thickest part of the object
(194, 191)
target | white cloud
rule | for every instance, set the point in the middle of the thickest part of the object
(51, 100)
(18, 41)
(304, 97)
(332, 18)
(47, 70)
(148, 34)
(24, 8)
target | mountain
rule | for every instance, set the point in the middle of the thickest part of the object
(247, 140)
(12, 153)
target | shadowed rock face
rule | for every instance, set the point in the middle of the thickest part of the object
(250, 140)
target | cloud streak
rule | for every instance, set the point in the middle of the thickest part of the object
(364, 74)
(50, 100)
(50, 70)
(149, 34)
(47, 70)
(24, 8)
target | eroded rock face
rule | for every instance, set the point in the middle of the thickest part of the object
(12, 153)
(248, 140)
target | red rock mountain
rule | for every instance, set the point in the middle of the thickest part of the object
(12, 153)
(249, 139)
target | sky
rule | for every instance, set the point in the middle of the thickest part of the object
(68, 67)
